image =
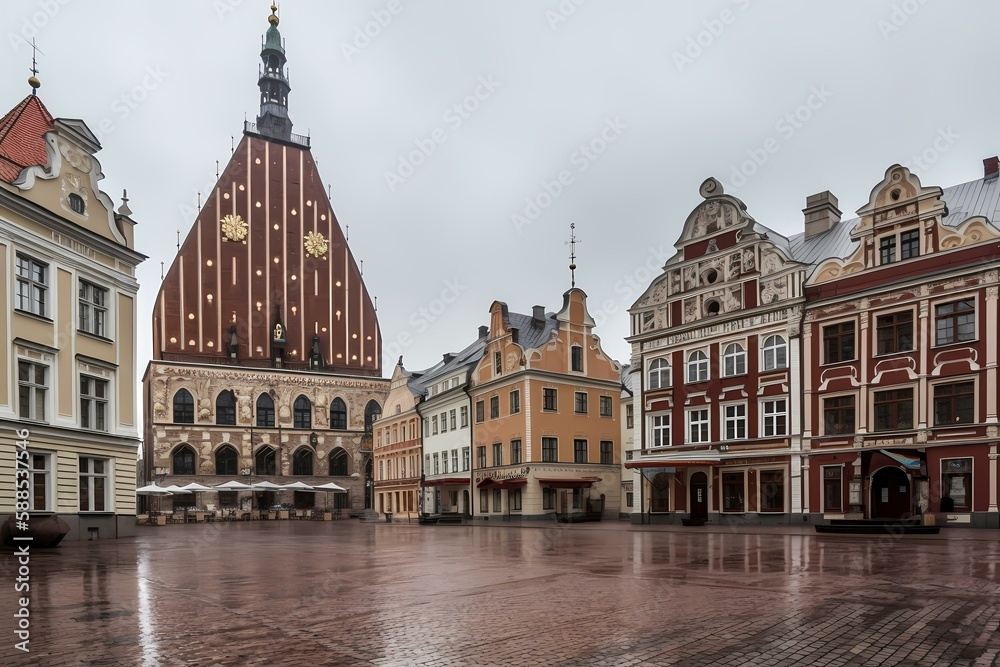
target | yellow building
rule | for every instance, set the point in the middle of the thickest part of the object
(397, 447)
(546, 417)
(68, 263)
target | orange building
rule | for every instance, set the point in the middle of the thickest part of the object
(546, 417)
(397, 446)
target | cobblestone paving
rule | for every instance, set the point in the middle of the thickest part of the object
(345, 593)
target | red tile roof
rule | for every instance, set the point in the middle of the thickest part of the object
(22, 137)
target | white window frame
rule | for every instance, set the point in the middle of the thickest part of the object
(98, 314)
(737, 354)
(703, 423)
(33, 388)
(454, 460)
(766, 415)
(49, 477)
(660, 369)
(437, 464)
(954, 299)
(92, 404)
(465, 416)
(35, 292)
(697, 367)
(107, 475)
(972, 479)
(659, 423)
(466, 458)
(737, 420)
(773, 350)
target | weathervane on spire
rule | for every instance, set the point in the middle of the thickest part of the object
(572, 253)
(33, 79)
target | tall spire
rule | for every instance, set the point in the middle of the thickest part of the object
(33, 79)
(572, 253)
(273, 120)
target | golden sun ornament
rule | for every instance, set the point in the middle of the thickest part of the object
(315, 244)
(234, 227)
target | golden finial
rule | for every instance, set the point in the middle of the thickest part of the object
(33, 80)
(273, 18)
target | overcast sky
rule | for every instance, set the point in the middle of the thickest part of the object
(604, 113)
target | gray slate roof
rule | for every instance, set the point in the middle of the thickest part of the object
(471, 354)
(529, 335)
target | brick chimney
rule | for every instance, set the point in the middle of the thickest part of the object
(991, 167)
(538, 316)
(483, 331)
(821, 213)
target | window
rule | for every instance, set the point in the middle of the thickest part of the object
(732, 492)
(484, 500)
(32, 285)
(577, 354)
(93, 403)
(226, 461)
(833, 489)
(910, 244)
(465, 458)
(95, 483)
(629, 416)
(577, 499)
(76, 203)
(497, 454)
(480, 412)
(550, 450)
(183, 460)
(628, 499)
(838, 415)
(265, 411)
(956, 484)
(427, 464)
(893, 409)
(698, 425)
(775, 353)
(338, 414)
(465, 416)
(434, 425)
(515, 401)
(548, 499)
(183, 407)
(40, 482)
(514, 498)
(735, 419)
(93, 313)
(454, 460)
(838, 343)
(734, 360)
(444, 422)
(659, 430)
(895, 332)
(302, 410)
(264, 461)
(515, 452)
(607, 452)
(494, 407)
(225, 408)
(580, 402)
(31, 387)
(497, 500)
(772, 490)
(481, 456)
(659, 374)
(697, 367)
(302, 462)
(437, 464)
(549, 399)
(605, 406)
(579, 451)
(775, 418)
(453, 422)
(887, 250)
(497, 363)
(954, 403)
(955, 322)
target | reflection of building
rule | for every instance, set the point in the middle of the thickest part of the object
(266, 345)
(69, 291)
(545, 404)
(397, 446)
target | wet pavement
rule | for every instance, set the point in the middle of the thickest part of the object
(347, 593)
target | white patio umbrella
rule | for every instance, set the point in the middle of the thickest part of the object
(328, 487)
(153, 490)
(232, 486)
(196, 488)
(298, 486)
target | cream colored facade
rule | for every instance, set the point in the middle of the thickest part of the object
(67, 266)
(397, 449)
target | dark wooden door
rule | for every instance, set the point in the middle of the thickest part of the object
(890, 494)
(699, 496)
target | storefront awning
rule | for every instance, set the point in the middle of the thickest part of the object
(567, 483)
(707, 461)
(458, 481)
(905, 461)
(490, 483)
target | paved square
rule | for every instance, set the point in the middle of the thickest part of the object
(346, 593)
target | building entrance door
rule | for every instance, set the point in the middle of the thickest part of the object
(890, 494)
(699, 496)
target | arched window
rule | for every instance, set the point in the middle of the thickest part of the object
(226, 461)
(659, 374)
(265, 411)
(734, 360)
(775, 353)
(302, 462)
(339, 463)
(183, 461)
(338, 415)
(303, 413)
(225, 409)
(77, 204)
(183, 407)
(372, 412)
(264, 461)
(697, 367)
(713, 307)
